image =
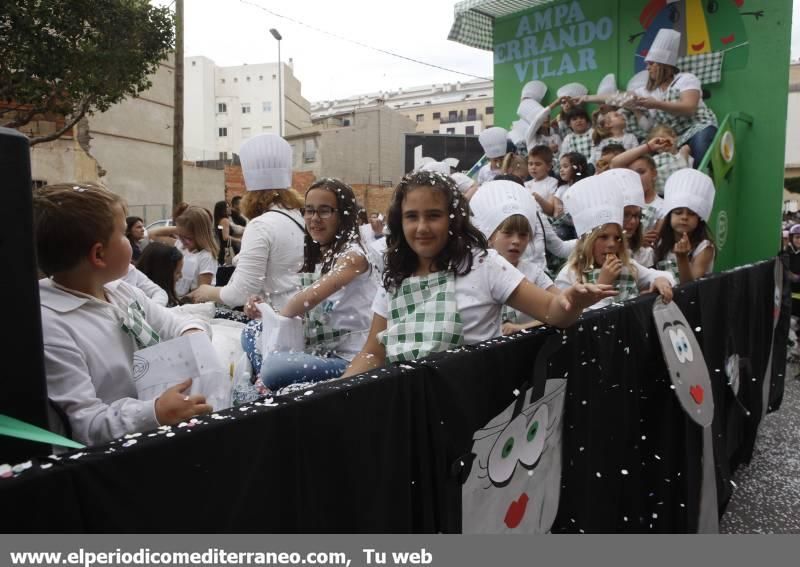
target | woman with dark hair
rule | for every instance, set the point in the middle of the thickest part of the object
(163, 264)
(338, 290)
(223, 230)
(442, 288)
(135, 232)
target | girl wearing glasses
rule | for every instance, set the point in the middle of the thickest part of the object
(335, 299)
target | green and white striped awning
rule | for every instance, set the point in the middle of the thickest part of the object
(474, 19)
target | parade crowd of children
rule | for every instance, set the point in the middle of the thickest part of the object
(591, 209)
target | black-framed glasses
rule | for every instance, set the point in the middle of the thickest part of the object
(322, 212)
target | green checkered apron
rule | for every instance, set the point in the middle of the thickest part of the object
(581, 143)
(669, 264)
(320, 337)
(423, 318)
(632, 124)
(649, 217)
(685, 126)
(666, 164)
(134, 323)
(625, 283)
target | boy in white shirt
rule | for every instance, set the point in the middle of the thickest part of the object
(542, 185)
(92, 324)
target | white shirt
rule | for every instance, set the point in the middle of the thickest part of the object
(269, 261)
(644, 279)
(645, 255)
(627, 141)
(545, 187)
(486, 173)
(195, 264)
(151, 289)
(348, 309)
(480, 296)
(89, 358)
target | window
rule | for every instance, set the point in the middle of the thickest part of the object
(222, 132)
(451, 130)
(346, 122)
(222, 108)
(39, 183)
(472, 114)
(194, 63)
(236, 79)
(245, 108)
(245, 133)
(490, 110)
(248, 79)
(223, 156)
(452, 116)
(261, 77)
(437, 115)
(266, 106)
(222, 81)
(266, 128)
(470, 130)
(436, 131)
(420, 117)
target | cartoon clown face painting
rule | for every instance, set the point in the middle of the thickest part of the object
(685, 362)
(706, 26)
(514, 481)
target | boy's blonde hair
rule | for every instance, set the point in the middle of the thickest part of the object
(197, 221)
(660, 131)
(582, 258)
(68, 219)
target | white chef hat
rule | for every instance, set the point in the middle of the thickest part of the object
(534, 90)
(495, 201)
(266, 162)
(528, 109)
(638, 81)
(608, 85)
(665, 47)
(691, 189)
(493, 141)
(629, 182)
(463, 181)
(534, 126)
(593, 202)
(434, 165)
(573, 90)
(517, 132)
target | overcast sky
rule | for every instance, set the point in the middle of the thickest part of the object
(233, 32)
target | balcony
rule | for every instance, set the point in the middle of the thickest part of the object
(461, 117)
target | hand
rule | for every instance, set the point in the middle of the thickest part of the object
(580, 296)
(610, 270)
(511, 328)
(251, 306)
(685, 151)
(645, 102)
(683, 246)
(650, 238)
(200, 295)
(659, 145)
(174, 405)
(663, 287)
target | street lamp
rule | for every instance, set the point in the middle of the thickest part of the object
(276, 34)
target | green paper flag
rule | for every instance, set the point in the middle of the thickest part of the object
(11, 427)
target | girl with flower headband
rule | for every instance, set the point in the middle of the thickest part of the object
(334, 302)
(442, 288)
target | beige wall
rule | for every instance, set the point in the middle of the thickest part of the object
(369, 151)
(428, 124)
(62, 161)
(296, 109)
(203, 186)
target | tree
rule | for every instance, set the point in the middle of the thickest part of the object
(70, 58)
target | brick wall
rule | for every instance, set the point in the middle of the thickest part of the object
(375, 198)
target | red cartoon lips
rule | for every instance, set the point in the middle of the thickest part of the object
(516, 511)
(729, 39)
(698, 46)
(697, 394)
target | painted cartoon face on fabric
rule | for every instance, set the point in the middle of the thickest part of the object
(685, 362)
(706, 26)
(514, 482)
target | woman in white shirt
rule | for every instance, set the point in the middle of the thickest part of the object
(272, 246)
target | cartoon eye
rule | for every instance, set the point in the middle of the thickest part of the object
(712, 6)
(535, 435)
(674, 14)
(680, 344)
(505, 452)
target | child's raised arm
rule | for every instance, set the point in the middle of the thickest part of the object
(557, 310)
(373, 355)
(346, 269)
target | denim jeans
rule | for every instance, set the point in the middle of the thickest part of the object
(700, 142)
(284, 368)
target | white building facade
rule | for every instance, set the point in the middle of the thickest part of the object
(223, 106)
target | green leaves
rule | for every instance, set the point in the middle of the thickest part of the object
(59, 56)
